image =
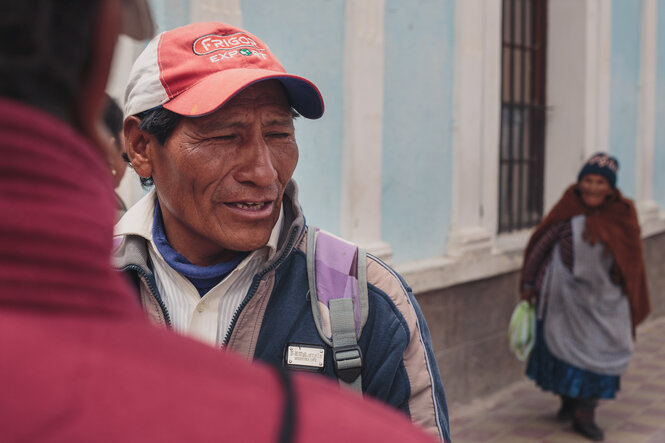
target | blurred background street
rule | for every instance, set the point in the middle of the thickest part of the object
(523, 413)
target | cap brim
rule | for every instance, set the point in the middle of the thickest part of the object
(137, 21)
(217, 89)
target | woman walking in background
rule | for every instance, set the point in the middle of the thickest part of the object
(584, 268)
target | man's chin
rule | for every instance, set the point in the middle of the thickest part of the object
(249, 242)
(242, 236)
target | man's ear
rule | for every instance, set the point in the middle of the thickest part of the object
(139, 145)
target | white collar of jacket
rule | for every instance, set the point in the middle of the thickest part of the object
(138, 220)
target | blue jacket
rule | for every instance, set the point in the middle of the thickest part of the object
(399, 367)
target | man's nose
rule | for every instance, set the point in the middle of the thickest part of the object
(257, 165)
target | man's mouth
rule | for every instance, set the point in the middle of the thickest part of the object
(250, 206)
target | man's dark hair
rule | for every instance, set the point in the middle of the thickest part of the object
(159, 123)
(44, 52)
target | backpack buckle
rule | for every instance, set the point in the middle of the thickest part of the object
(348, 362)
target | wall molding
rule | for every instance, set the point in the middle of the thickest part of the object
(476, 116)
(442, 272)
(646, 119)
(360, 215)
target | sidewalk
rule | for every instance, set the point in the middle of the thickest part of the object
(524, 413)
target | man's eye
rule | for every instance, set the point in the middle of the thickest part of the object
(224, 137)
(279, 134)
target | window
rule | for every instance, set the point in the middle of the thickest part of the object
(522, 141)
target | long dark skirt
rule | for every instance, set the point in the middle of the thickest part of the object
(555, 375)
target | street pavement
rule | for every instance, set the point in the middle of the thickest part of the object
(524, 413)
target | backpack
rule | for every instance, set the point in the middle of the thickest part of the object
(337, 277)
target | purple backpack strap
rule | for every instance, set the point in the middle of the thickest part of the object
(337, 274)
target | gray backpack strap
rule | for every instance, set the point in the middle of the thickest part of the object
(337, 276)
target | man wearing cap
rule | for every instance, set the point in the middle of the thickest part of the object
(217, 250)
(79, 360)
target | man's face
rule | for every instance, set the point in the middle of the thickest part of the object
(220, 178)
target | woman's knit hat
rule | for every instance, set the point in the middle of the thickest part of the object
(601, 164)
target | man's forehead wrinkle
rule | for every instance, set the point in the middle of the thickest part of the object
(272, 105)
(279, 120)
(234, 116)
(211, 124)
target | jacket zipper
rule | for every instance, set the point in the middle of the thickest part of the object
(255, 285)
(153, 290)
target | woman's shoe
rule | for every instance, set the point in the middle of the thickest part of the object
(583, 419)
(589, 429)
(567, 409)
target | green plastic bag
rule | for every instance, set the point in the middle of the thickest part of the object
(522, 330)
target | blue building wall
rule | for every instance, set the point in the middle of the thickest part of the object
(624, 89)
(417, 135)
(659, 143)
(308, 39)
(170, 14)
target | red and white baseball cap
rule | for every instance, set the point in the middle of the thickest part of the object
(195, 69)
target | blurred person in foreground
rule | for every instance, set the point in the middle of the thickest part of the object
(218, 249)
(118, 159)
(584, 268)
(79, 360)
